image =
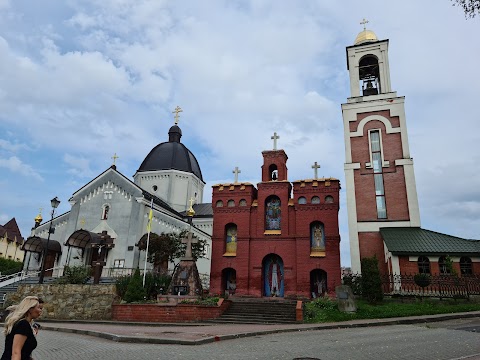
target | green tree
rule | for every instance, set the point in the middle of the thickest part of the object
(371, 280)
(471, 8)
(135, 291)
(168, 247)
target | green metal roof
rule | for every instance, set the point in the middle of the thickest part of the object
(415, 240)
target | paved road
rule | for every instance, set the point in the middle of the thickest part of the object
(452, 339)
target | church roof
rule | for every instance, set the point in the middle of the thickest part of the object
(201, 210)
(415, 240)
(172, 155)
(12, 231)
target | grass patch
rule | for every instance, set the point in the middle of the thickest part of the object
(326, 310)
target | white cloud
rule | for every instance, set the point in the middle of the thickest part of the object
(15, 165)
(79, 166)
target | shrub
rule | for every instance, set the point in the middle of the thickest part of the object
(135, 291)
(9, 266)
(355, 283)
(371, 281)
(156, 284)
(78, 274)
(422, 280)
(122, 285)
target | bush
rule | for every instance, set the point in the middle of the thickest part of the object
(135, 291)
(156, 284)
(371, 281)
(9, 266)
(355, 283)
(78, 274)
(122, 285)
(422, 280)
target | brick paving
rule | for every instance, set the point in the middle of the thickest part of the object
(201, 333)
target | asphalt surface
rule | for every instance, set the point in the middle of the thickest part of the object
(202, 333)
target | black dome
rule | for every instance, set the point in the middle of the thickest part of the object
(172, 155)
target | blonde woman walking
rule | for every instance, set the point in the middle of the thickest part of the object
(20, 338)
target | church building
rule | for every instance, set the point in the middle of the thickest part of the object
(279, 239)
(109, 215)
(382, 203)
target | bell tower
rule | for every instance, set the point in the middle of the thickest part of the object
(380, 180)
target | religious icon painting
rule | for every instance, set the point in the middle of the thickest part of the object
(273, 279)
(231, 239)
(273, 213)
(317, 236)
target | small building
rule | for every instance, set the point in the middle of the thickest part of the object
(279, 239)
(11, 241)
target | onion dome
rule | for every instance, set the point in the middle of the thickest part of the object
(365, 36)
(171, 155)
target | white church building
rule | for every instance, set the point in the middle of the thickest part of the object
(109, 215)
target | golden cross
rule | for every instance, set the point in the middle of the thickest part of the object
(40, 210)
(114, 157)
(191, 201)
(364, 22)
(176, 111)
(82, 223)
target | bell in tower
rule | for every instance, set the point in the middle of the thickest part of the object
(369, 75)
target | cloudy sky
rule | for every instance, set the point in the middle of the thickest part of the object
(82, 80)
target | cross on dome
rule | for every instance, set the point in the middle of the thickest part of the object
(176, 111)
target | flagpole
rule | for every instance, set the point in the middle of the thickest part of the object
(149, 228)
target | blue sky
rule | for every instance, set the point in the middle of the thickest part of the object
(82, 80)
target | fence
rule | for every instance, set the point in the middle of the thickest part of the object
(440, 286)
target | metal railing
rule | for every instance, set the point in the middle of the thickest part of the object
(440, 286)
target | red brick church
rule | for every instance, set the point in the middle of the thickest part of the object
(279, 239)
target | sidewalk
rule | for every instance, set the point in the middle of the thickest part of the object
(202, 333)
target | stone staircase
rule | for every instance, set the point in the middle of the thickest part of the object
(258, 311)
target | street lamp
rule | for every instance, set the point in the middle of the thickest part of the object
(54, 202)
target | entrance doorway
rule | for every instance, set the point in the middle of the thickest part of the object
(318, 283)
(273, 276)
(229, 277)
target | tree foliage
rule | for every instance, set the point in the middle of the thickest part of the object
(135, 291)
(371, 281)
(168, 247)
(471, 8)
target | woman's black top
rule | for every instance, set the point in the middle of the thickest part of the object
(22, 327)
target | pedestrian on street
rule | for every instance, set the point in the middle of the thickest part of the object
(20, 337)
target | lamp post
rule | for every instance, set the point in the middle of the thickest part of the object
(54, 202)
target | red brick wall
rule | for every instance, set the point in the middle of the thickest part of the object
(292, 245)
(371, 244)
(166, 313)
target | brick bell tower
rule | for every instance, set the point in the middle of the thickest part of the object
(380, 180)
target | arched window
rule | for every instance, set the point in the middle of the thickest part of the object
(466, 266)
(302, 200)
(315, 200)
(105, 210)
(328, 199)
(423, 265)
(230, 203)
(369, 75)
(443, 266)
(317, 236)
(231, 239)
(273, 213)
(243, 202)
(219, 203)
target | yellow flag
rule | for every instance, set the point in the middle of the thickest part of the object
(150, 217)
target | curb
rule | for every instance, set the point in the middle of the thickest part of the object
(211, 339)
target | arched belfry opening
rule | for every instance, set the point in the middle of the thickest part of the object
(369, 75)
(273, 171)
